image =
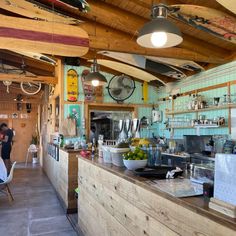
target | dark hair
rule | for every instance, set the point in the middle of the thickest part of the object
(3, 125)
(93, 128)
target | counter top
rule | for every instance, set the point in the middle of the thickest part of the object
(196, 204)
(71, 150)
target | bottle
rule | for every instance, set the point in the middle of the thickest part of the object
(93, 148)
(61, 140)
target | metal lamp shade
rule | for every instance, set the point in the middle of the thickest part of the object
(174, 36)
(95, 76)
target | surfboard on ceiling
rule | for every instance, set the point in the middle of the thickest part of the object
(37, 56)
(228, 5)
(80, 5)
(42, 37)
(4, 68)
(129, 70)
(36, 11)
(183, 64)
(144, 63)
(210, 20)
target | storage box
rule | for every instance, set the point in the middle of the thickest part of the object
(203, 173)
(106, 154)
(225, 178)
(117, 155)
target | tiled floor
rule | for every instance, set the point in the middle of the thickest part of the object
(36, 209)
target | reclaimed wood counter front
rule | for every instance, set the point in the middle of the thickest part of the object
(112, 201)
(63, 174)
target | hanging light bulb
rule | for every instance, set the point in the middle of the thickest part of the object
(95, 82)
(159, 39)
(95, 78)
(159, 32)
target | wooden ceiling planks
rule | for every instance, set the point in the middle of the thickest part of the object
(113, 25)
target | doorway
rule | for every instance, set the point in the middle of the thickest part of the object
(105, 118)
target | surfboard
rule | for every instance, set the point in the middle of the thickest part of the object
(81, 5)
(129, 70)
(228, 5)
(37, 56)
(144, 63)
(34, 11)
(183, 64)
(210, 20)
(42, 37)
(72, 85)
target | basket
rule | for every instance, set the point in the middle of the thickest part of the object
(117, 155)
(106, 154)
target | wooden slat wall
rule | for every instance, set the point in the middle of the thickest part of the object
(24, 128)
(111, 205)
(63, 175)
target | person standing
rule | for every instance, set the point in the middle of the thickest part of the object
(6, 145)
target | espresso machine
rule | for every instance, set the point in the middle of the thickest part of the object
(122, 135)
(128, 128)
(136, 128)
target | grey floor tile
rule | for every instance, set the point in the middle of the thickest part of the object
(36, 209)
(46, 211)
(17, 228)
(13, 216)
(64, 233)
(59, 223)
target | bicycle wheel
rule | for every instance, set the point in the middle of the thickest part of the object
(30, 88)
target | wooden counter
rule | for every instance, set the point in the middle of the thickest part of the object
(63, 175)
(112, 201)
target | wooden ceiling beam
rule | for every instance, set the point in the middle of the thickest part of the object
(22, 78)
(129, 46)
(107, 38)
(30, 69)
(29, 62)
(126, 21)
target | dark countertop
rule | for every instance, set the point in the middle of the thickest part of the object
(197, 204)
(71, 150)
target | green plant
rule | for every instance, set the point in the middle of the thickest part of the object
(35, 139)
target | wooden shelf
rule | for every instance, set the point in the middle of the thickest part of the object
(194, 127)
(201, 110)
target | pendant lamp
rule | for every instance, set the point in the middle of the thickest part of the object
(159, 32)
(95, 78)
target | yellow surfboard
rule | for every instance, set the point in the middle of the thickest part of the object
(145, 91)
(72, 85)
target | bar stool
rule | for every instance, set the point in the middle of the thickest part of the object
(33, 150)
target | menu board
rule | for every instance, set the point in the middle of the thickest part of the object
(178, 187)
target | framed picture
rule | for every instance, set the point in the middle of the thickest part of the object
(14, 115)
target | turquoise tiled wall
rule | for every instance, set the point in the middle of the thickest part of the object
(207, 78)
(136, 98)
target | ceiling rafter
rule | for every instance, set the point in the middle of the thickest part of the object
(110, 39)
(129, 23)
(206, 40)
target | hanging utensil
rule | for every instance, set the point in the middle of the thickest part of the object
(7, 83)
